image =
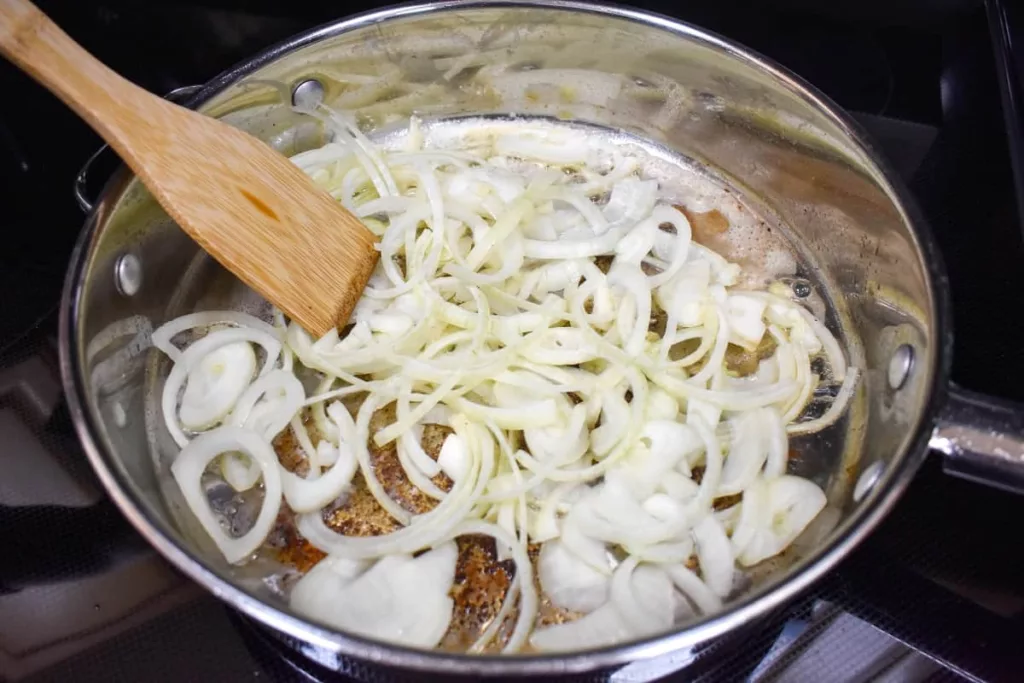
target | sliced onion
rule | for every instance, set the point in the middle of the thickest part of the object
(214, 384)
(643, 596)
(163, 335)
(400, 599)
(751, 433)
(834, 412)
(591, 551)
(307, 495)
(194, 354)
(453, 458)
(239, 471)
(774, 513)
(487, 313)
(568, 581)
(281, 394)
(188, 470)
(717, 564)
(694, 588)
(602, 627)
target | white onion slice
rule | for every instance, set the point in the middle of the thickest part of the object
(748, 451)
(163, 335)
(453, 458)
(194, 354)
(214, 384)
(714, 552)
(643, 596)
(239, 471)
(568, 581)
(188, 470)
(835, 411)
(604, 626)
(307, 495)
(282, 395)
(694, 588)
(772, 516)
(400, 599)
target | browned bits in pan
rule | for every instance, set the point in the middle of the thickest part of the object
(389, 470)
(658, 321)
(742, 362)
(706, 226)
(289, 453)
(481, 583)
(683, 349)
(547, 614)
(361, 514)
(295, 550)
(726, 502)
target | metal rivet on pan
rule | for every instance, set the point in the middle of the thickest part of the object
(867, 480)
(900, 365)
(307, 94)
(128, 274)
(802, 289)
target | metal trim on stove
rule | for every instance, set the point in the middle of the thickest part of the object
(927, 617)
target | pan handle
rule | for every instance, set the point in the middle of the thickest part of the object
(981, 439)
(86, 197)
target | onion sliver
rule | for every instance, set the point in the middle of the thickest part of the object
(188, 470)
(214, 384)
(773, 514)
(717, 565)
(399, 599)
(568, 581)
(604, 626)
(834, 412)
(308, 495)
(282, 395)
(163, 335)
(694, 588)
(194, 353)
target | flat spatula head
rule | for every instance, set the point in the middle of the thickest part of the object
(259, 215)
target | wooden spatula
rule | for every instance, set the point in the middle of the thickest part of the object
(244, 203)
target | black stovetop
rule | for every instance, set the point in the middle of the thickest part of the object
(82, 598)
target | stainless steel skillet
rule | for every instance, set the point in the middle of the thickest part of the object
(777, 141)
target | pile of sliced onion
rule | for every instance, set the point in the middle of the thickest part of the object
(573, 425)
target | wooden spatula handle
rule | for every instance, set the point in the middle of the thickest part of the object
(38, 46)
(245, 204)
